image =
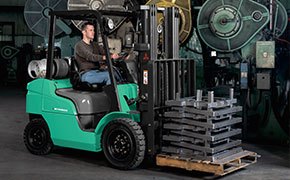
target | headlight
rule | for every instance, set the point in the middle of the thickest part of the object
(110, 23)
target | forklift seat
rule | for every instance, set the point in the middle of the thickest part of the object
(75, 79)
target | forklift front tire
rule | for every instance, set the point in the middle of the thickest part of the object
(37, 137)
(123, 143)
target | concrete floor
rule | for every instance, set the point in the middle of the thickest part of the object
(17, 163)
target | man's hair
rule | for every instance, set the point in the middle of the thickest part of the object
(84, 25)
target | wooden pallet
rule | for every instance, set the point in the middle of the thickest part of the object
(219, 168)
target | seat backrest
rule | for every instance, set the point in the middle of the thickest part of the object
(74, 76)
(74, 66)
(75, 79)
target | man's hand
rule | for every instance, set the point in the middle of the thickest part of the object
(115, 56)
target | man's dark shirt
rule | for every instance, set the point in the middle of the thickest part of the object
(88, 56)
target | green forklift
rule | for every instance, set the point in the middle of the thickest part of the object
(156, 116)
(94, 118)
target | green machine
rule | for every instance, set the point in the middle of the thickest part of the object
(63, 116)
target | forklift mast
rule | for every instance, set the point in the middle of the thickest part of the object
(163, 75)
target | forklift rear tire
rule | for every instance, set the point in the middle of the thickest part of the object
(123, 143)
(37, 137)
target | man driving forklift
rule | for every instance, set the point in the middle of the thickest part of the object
(90, 57)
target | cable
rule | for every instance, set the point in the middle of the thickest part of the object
(280, 107)
(249, 100)
(283, 40)
(265, 117)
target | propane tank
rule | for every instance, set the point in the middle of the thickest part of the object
(60, 68)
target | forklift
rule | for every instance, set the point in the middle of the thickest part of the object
(129, 121)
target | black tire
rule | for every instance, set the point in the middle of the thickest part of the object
(37, 137)
(123, 143)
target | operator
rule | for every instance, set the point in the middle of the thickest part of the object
(91, 57)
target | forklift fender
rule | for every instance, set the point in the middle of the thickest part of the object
(110, 117)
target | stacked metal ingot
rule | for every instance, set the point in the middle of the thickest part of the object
(202, 128)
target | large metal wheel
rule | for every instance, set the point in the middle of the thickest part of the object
(36, 15)
(227, 26)
(37, 137)
(116, 5)
(123, 143)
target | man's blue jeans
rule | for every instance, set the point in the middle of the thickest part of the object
(96, 76)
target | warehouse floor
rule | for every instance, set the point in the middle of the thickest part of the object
(17, 163)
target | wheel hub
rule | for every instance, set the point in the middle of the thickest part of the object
(120, 144)
(225, 21)
(96, 5)
(37, 138)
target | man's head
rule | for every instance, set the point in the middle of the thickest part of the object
(88, 31)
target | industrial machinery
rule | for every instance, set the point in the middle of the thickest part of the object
(185, 20)
(156, 116)
(36, 14)
(241, 48)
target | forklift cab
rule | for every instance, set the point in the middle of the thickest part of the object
(85, 96)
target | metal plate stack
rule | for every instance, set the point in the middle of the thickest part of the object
(202, 128)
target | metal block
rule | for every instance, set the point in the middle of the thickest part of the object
(263, 81)
(201, 127)
(208, 125)
(175, 138)
(191, 102)
(206, 118)
(265, 54)
(208, 137)
(210, 112)
(227, 123)
(176, 114)
(175, 126)
(209, 150)
(183, 153)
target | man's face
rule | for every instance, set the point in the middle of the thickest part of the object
(89, 32)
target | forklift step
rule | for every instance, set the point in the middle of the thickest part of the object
(220, 167)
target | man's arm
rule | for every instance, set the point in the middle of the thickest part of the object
(101, 50)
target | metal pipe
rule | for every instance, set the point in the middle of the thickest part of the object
(231, 93)
(199, 95)
(271, 15)
(50, 52)
(210, 97)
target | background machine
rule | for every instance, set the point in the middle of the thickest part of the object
(245, 45)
